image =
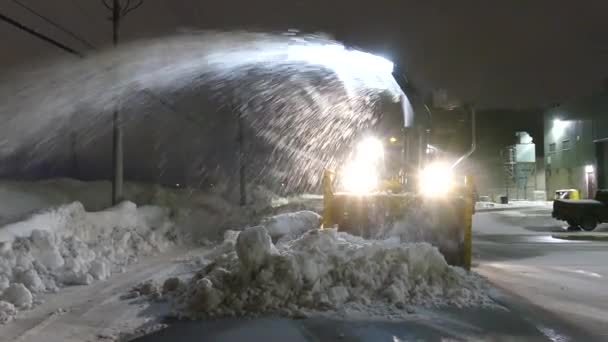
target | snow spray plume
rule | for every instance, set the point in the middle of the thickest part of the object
(302, 99)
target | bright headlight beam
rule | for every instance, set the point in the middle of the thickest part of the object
(359, 178)
(361, 174)
(436, 179)
(370, 150)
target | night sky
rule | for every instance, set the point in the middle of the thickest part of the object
(494, 53)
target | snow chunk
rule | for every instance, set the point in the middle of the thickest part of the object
(254, 247)
(46, 249)
(99, 270)
(230, 236)
(338, 295)
(18, 295)
(291, 224)
(4, 282)
(7, 312)
(75, 278)
(171, 284)
(31, 280)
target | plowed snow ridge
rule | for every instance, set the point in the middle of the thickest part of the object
(323, 270)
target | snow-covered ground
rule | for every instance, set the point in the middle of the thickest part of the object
(568, 279)
(512, 205)
(99, 312)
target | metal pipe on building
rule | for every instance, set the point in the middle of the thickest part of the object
(473, 140)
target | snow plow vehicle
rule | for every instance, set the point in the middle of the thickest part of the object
(397, 184)
(584, 214)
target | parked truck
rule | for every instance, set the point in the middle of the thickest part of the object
(584, 214)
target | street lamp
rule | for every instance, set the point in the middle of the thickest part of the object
(559, 127)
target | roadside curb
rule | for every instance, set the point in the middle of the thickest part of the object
(581, 236)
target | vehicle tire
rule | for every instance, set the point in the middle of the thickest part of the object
(588, 223)
(573, 226)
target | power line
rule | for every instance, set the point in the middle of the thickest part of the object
(68, 49)
(39, 35)
(56, 25)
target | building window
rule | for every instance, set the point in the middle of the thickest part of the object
(566, 144)
(552, 147)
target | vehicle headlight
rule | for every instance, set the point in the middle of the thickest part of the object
(359, 178)
(436, 179)
(361, 174)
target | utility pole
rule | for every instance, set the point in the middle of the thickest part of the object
(117, 141)
(74, 154)
(119, 8)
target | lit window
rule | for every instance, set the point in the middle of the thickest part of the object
(566, 144)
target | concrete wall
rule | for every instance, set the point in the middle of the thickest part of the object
(540, 175)
(568, 151)
(572, 134)
(567, 178)
(602, 163)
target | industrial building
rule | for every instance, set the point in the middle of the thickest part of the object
(576, 145)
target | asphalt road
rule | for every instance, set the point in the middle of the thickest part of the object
(553, 290)
(568, 279)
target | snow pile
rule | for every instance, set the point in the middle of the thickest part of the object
(323, 270)
(69, 246)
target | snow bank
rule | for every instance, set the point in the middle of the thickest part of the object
(69, 246)
(197, 208)
(323, 270)
(48, 239)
